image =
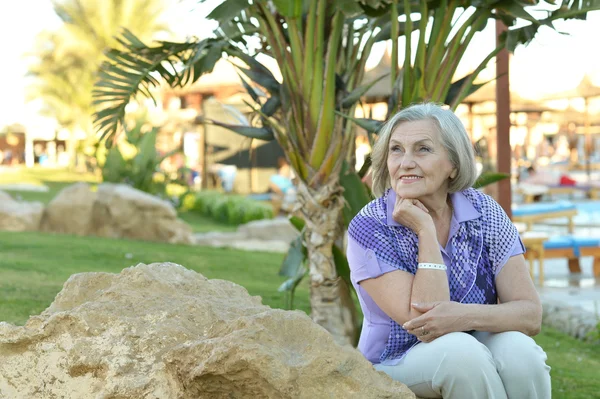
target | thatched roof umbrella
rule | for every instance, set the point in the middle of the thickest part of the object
(380, 91)
(487, 93)
(586, 90)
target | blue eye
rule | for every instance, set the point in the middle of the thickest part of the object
(427, 149)
(395, 148)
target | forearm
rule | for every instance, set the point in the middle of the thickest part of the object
(429, 285)
(522, 315)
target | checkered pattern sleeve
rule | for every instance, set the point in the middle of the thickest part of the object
(373, 245)
(500, 234)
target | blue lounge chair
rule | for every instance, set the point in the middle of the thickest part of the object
(531, 213)
(540, 247)
(573, 247)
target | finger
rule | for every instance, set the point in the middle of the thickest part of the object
(413, 324)
(427, 338)
(415, 331)
(420, 205)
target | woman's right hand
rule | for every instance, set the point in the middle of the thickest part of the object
(413, 214)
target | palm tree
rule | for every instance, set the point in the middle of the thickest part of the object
(66, 61)
(321, 48)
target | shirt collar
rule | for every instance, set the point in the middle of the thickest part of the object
(463, 208)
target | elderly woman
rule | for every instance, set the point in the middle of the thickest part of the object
(439, 269)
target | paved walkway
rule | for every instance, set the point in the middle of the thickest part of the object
(574, 289)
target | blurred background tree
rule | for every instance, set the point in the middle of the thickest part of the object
(65, 62)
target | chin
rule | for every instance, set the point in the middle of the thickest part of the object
(408, 193)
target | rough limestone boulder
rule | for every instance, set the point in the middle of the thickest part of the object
(271, 235)
(269, 229)
(163, 331)
(19, 215)
(4, 196)
(70, 212)
(122, 211)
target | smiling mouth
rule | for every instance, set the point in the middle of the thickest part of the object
(410, 178)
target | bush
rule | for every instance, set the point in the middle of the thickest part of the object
(135, 161)
(229, 209)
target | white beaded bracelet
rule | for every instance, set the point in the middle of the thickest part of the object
(437, 266)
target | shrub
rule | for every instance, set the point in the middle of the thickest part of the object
(230, 209)
(135, 161)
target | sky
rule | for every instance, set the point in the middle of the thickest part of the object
(552, 63)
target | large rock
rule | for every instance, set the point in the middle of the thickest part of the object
(122, 211)
(162, 331)
(116, 211)
(271, 235)
(269, 229)
(70, 212)
(572, 320)
(19, 215)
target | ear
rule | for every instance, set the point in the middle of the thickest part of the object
(453, 173)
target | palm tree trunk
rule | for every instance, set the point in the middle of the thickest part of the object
(330, 299)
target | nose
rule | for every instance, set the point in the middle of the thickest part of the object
(407, 162)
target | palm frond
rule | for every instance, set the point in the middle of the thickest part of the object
(138, 69)
(262, 133)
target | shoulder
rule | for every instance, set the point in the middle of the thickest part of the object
(370, 219)
(499, 233)
(482, 202)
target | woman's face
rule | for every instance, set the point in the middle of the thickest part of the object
(418, 163)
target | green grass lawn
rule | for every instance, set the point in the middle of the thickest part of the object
(57, 179)
(34, 266)
(575, 365)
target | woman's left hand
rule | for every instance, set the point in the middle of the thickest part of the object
(438, 318)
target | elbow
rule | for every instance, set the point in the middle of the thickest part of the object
(534, 330)
(534, 327)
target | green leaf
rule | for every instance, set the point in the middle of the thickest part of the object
(297, 222)
(145, 161)
(386, 31)
(375, 8)
(134, 134)
(365, 167)
(357, 93)
(350, 8)
(114, 168)
(206, 63)
(260, 133)
(249, 89)
(289, 8)
(574, 10)
(291, 284)
(455, 87)
(342, 267)
(271, 106)
(515, 10)
(370, 125)
(294, 259)
(265, 80)
(227, 10)
(256, 66)
(516, 37)
(356, 194)
(489, 178)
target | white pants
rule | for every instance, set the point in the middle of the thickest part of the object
(479, 366)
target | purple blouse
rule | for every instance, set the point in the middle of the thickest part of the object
(482, 239)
